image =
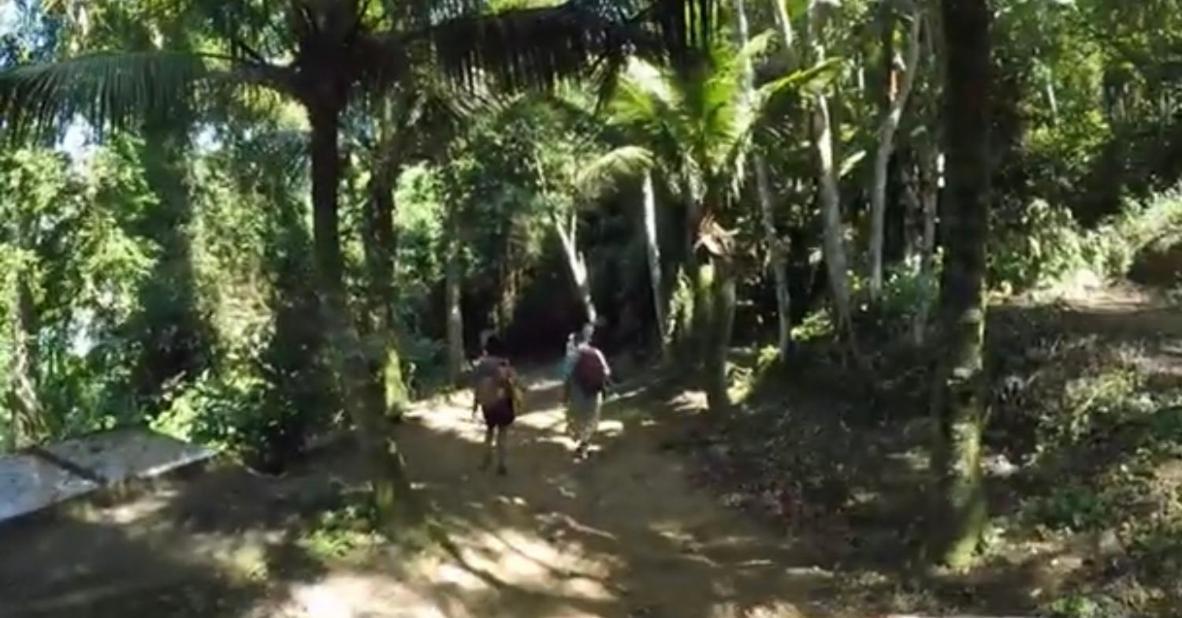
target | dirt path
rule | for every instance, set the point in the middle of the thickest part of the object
(624, 534)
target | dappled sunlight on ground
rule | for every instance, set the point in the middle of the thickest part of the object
(622, 534)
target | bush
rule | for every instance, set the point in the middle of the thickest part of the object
(1047, 246)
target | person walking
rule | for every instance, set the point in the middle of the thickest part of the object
(496, 393)
(587, 374)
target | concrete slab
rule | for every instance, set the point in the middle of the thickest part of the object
(129, 454)
(29, 484)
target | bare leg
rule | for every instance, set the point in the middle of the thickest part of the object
(488, 448)
(590, 424)
(502, 438)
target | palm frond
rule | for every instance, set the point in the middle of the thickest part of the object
(809, 80)
(605, 173)
(523, 48)
(541, 45)
(113, 89)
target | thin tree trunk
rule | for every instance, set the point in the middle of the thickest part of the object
(929, 195)
(576, 262)
(886, 146)
(172, 333)
(701, 276)
(392, 492)
(29, 425)
(833, 246)
(958, 398)
(455, 314)
(723, 314)
(1052, 100)
(453, 298)
(652, 247)
(767, 208)
(386, 387)
(930, 171)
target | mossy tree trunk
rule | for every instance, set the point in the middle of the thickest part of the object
(385, 388)
(958, 401)
(392, 492)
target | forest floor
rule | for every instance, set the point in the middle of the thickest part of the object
(804, 505)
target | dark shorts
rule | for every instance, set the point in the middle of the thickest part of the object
(500, 414)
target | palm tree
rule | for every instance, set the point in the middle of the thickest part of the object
(322, 53)
(692, 126)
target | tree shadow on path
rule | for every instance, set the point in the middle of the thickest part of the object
(622, 534)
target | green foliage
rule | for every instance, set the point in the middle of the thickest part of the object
(1048, 246)
(1073, 507)
(1075, 607)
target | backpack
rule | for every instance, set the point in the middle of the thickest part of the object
(589, 372)
(494, 384)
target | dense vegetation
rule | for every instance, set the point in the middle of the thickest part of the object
(247, 226)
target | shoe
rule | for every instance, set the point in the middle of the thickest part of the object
(502, 470)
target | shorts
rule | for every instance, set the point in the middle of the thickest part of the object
(500, 414)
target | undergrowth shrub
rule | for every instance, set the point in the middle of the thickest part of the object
(1047, 246)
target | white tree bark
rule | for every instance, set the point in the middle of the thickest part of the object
(653, 251)
(930, 173)
(455, 315)
(767, 210)
(576, 261)
(886, 146)
(833, 246)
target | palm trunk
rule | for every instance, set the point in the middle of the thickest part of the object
(699, 276)
(767, 207)
(392, 492)
(886, 146)
(652, 247)
(723, 314)
(958, 393)
(833, 246)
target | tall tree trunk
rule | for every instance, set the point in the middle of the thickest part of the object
(386, 388)
(700, 275)
(722, 324)
(833, 246)
(886, 146)
(576, 262)
(929, 196)
(652, 247)
(173, 335)
(392, 491)
(777, 254)
(930, 168)
(958, 401)
(455, 316)
(29, 425)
